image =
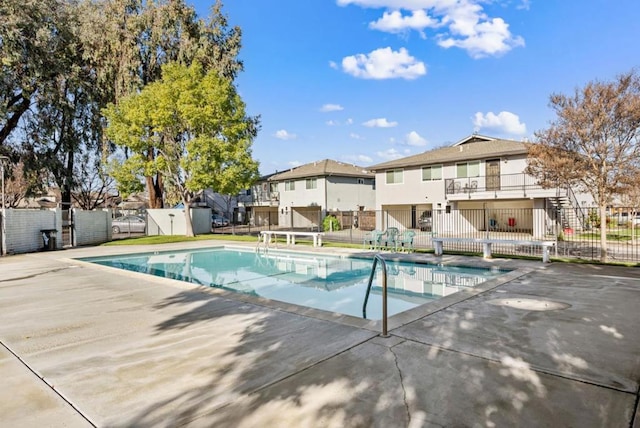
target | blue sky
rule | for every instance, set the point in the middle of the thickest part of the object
(366, 81)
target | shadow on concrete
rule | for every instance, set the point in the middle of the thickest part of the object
(474, 363)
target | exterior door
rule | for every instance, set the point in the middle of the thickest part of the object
(493, 174)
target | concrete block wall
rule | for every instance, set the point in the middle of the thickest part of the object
(91, 227)
(24, 229)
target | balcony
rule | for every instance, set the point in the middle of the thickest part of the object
(265, 199)
(503, 186)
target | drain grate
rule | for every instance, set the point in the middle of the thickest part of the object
(530, 304)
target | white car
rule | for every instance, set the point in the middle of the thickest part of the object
(128, 223)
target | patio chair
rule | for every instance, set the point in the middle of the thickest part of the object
(406, 241)
(373, 239)
(390, 238)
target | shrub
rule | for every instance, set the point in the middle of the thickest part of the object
(330, 223)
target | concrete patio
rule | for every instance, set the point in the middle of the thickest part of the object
(83, 345)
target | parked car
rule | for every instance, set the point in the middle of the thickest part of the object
(128, 223)
(424, 222)
(218, 220)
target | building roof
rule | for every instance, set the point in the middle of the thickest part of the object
(266, 177)
(466, 149)
(474, 138)
(323, 168)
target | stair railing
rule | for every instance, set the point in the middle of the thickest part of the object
(384, 292)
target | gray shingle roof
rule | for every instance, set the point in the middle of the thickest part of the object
(467, 151)
(323, 168)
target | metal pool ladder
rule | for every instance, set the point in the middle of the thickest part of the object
(384, 292)
(266, 246)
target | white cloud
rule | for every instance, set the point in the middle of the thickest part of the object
(356, 136)
(282, 134)
(349, 121)
(414, 139)
(358, 159)
(456, 23)
(389, 154)
(333, 65)
(384, 63)
(525, 5)
(294, 163)
(331, 107)
(380, 123)
(332, 122)
(504, 121)
(395, 22)
(481, 39)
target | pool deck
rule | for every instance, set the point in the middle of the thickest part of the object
(84, 345)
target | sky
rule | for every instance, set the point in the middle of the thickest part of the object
(367, 81)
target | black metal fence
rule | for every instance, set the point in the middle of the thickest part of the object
(577, 235)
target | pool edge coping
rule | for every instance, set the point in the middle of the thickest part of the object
(394, 322)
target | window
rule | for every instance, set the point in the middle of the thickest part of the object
(289, 185)
(273, 187)
(360, 180)
(312, 183)
(432, 173)
(394, 176)
(468, 169)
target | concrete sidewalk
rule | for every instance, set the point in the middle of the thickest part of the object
(84, 345)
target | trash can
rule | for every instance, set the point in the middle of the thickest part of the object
(49, 239)
(52, 242)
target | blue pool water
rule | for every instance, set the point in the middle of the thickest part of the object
(331, 283)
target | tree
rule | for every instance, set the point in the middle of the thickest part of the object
(48, 92)
(141, 37)
(62, 62)
(197, 124)
(17, 184)
(93, 185)
(594, 143)
(33, 48)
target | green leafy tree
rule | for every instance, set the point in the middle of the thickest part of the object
(34, 37)
(594, 143)
(62, 62)
(142, 36)
(196, 123)
(47, 92)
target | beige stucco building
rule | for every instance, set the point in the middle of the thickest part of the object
(478, 172)
(302, 196)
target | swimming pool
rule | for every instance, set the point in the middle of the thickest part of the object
(330, 283)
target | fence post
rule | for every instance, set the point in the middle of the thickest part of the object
(486, 220)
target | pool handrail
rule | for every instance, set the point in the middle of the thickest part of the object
(384, 292)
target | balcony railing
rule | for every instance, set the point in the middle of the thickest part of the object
(265, 198)
(492, 183)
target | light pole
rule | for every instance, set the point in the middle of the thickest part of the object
(4, 212)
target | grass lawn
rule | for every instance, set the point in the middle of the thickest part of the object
(167, 239)
(617, 235)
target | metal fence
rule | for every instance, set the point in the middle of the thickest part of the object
(576, 236)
